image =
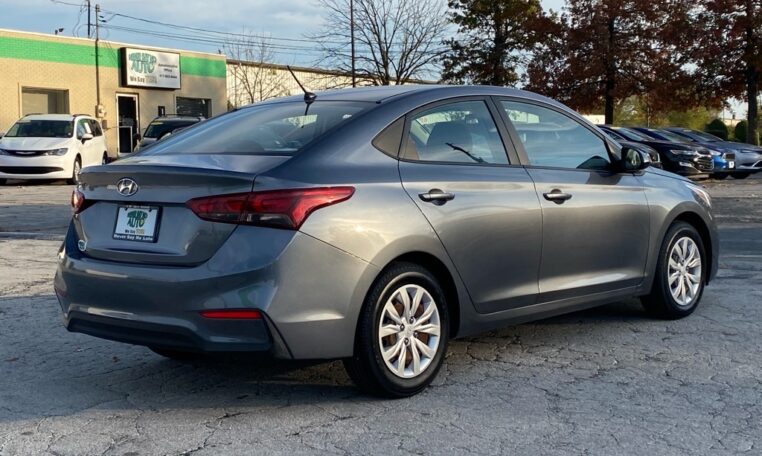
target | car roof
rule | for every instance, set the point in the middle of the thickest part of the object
(381, 94)
(52, 116)
(178, 119)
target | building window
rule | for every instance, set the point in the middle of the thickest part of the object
(199, 107)
(44, 101)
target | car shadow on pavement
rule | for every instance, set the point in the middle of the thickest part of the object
(48, 371)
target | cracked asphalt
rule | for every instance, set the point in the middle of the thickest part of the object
(606, 381)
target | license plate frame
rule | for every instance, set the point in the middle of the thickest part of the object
(732, 165)
(148, 231)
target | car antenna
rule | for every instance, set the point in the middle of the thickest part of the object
(309, 97)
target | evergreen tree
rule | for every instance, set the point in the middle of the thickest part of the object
(493, 41)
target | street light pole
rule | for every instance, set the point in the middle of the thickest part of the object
(352, 39)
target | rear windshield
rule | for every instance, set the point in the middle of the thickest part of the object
(280, 128)
(159, 128)
(633, 135)
(702, 136)
(26, 128)
(669, 136)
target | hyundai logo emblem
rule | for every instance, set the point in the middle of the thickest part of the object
(127, 187)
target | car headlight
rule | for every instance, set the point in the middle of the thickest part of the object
(715, 153)
(702, 194)
(687, 153)
(56, 152)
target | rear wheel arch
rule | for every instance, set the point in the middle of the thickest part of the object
(443, 276)
(698, 223)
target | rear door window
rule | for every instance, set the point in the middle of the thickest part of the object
(95, 127)
(460, 132)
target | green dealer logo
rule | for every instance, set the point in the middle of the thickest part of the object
(136, 219)
(141, 62)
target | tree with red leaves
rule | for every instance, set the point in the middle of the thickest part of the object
(729, 54)
(600, 52)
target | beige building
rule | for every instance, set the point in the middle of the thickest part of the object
(53, 74)
(250, 82)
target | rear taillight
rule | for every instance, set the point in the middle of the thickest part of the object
(77, 201)
(276, 208)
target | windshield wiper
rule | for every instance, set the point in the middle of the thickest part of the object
(469, 154)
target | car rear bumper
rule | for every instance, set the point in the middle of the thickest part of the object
(309, 294)
(182, 334)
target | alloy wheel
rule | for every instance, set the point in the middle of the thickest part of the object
(684, 271)
(409, 331)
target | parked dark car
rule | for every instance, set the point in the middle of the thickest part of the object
(724, 163)
(680, 158)
(747, 158)
(653, 153)
(382, 223)
(163, 126)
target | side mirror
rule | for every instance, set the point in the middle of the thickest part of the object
(86, 137)
(633, 160)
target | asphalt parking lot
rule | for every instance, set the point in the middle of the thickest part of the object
(606, 381)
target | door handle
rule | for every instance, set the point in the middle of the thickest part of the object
(436, 196)
(557, 196)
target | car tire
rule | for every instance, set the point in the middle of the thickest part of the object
(741, 175)
(76, 169)
(3, 181)
(418, 353)
(680, 274)
(177, 355)
(720, 176)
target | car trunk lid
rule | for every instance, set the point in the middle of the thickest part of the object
(171, 233)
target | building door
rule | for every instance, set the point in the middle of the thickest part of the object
(127, 114)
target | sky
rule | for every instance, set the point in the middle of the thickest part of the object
(289, 19)
(282, 20)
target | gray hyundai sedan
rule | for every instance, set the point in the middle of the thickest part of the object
(374, 225)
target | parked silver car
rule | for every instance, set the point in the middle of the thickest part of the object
(374, 225)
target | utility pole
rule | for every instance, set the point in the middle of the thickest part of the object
(352, 39)
(97, 61)
(89, 26)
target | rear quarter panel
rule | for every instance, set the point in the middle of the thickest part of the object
(380, 222)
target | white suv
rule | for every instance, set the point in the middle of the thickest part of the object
(51, 146)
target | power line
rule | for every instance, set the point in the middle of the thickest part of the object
(294, 50)
(213, 39)
(196, 29)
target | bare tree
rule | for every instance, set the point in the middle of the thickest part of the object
(252, 76)
(396, 40)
